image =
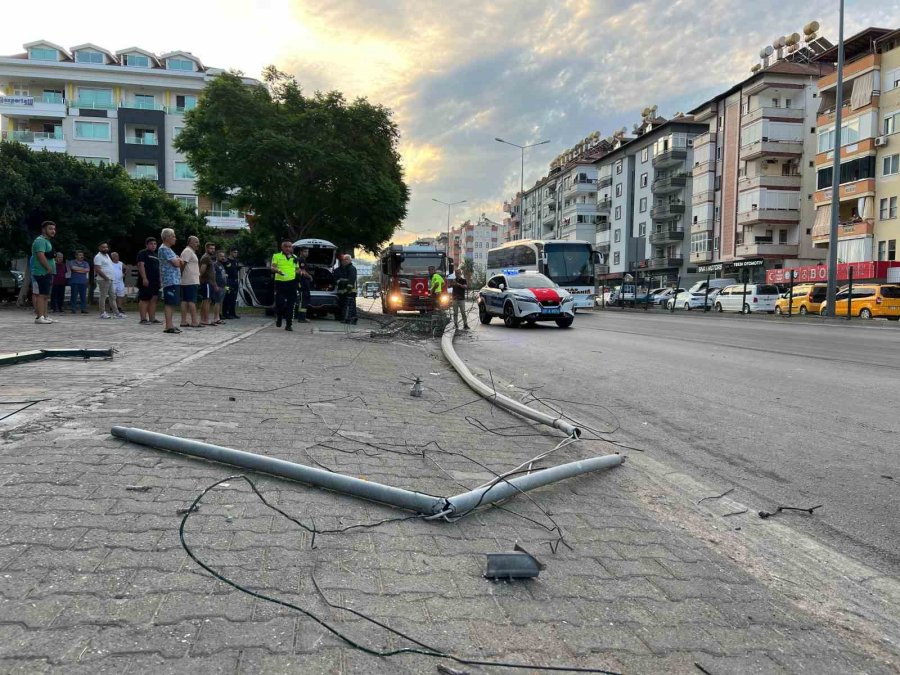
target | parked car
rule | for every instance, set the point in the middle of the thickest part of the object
(868, 302)
(662, 297)
(758, 298)
(525, 296)
(718, 284)
(687, 300)
(806, 299)
(10, 283)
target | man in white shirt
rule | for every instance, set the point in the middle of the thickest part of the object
(118, 284)
(105, 271)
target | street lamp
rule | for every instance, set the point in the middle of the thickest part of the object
(449, 206)
(523, 148)
(831, 291)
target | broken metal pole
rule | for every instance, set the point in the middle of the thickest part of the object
(427, 505)
(38, 354)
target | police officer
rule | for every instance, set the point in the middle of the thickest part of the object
(232, 269)
(305, 278)
(284, 265)
(345, 278)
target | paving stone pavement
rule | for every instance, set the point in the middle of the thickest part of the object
(93, 577)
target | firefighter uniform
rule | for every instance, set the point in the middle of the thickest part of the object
(229, 306)
(285, 288)
(345, 281)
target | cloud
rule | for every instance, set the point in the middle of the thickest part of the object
(421, 162)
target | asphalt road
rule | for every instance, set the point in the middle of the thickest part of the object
(794, 414)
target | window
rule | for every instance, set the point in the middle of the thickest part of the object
(183, 171)
(890, 123)
(644, 179)
(642, 230)
(892, 79)
(617, 236)
(88, 56)
(176, 132)
(187, 201)
(888, 208)
(787, 103)
(185, 103)
(94, 98)
(854, 170)
(96, 161)
(782, 235)
(892, 249)
(642, 205)
(94, 131)
(136, 60)
(619, 166)
(618, 189)
(180, 64)
(890, 165)
(882, 250)
(616, 258)
(618, 213)
(52, 96)
(718, 153)
(43, 54)
(645, 155)
(145, 170)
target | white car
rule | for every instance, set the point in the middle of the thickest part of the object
(688, 300)
(525, 296)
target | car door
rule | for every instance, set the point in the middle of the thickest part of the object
(840, 303)
(863, 296)
(493, 296)
(724, 297)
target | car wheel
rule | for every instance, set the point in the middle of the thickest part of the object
(483, 315)
(669, 304)
(565, 323)
(718, 307)
(509, 316)
(746, 309)
(803, 310)
(865, 313)
(778, 311)
(687, 306)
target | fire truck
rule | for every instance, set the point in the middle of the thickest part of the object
(404, 278)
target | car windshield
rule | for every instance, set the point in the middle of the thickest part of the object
(415, 264)
(320, 255)
(570, 264)
(529, 281)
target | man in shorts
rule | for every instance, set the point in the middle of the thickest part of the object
(118, 284)
(190, 283)
(149, 282)
(43, 269)
(208, 287)
(105, 273)
(170, 265)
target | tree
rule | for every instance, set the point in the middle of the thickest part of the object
(304, 165)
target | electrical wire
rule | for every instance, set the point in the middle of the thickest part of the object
(421, 648)
(25, 406)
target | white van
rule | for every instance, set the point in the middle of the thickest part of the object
(758, 298)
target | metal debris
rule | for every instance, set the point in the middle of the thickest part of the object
(417, 388)
(138, 488)
(518, 565)
(767, 514)
(38, 354)
(727, 492)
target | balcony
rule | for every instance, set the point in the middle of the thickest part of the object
(602, 240)
(849, 229)
(702, 167)
(52, 141)
(704, 139)
(82, 104)
(604, 181)
(701, 256)
(604, 205)
(764, 248)
(669, 183)
(669, 158)
(661, 263)
(702, 226)
(768, 216)
(703, 197)
(549, 216)
(667, 210)
(750, 183)
(142, 105)
(849, 191)
(30, 106)
(602, 225)
(780, 114)
(666, 236)
(583, 185)
(766, 147)
(141, 140)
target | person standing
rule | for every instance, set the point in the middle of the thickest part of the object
(148, 282)
(345, 276)
(105, 273)
(190, 283)
(170, 277)
(284, 265)
(208, 287)
(43, 269)
(460, 286)
(232, 273)
(118, 284)
(305, 279)
(58, 291)
(221, 283)
(79, 270)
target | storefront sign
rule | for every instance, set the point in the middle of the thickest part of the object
(16, 100)
(712, 267)
(868, 269)
(731, 267)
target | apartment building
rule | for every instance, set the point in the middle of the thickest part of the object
(870, 148)
(474, 239)
(102, 107)
(512, 222)
(754, 172)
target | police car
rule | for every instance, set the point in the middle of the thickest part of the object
(518, 296)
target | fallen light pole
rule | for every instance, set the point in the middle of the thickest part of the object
(427, 505)
(38, 354)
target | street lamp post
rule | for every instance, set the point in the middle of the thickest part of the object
(523, 148)
(831, 292)
(449, 206)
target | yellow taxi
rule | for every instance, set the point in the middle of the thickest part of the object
(807, 299)
(869, 301)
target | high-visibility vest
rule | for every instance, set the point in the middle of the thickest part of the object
(287, 266)
(437, 283)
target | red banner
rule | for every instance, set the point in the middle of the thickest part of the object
(868, 269)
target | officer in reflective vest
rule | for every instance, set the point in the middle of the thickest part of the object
(284, 265)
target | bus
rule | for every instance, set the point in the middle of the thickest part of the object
(569, 264)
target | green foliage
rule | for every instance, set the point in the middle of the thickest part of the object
(88, 203)
(304, 165)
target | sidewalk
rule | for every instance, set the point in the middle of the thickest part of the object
(93, 577)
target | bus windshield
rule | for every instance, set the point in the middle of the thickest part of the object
(417, 265)
(570, 264)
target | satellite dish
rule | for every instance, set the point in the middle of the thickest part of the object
(768, 51)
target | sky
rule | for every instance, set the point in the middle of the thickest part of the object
(458, 74)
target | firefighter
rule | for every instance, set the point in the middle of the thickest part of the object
(345, 279)
(305, 279)
(284, 265)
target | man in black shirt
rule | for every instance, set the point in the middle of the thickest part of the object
(305, 279)
(460, 286)
(232, 269)
(148, 290)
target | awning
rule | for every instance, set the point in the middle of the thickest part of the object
(862, 90)
(822, 226)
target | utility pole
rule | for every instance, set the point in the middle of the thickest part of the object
(449, 206)
(836, 171)
(522, 148)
